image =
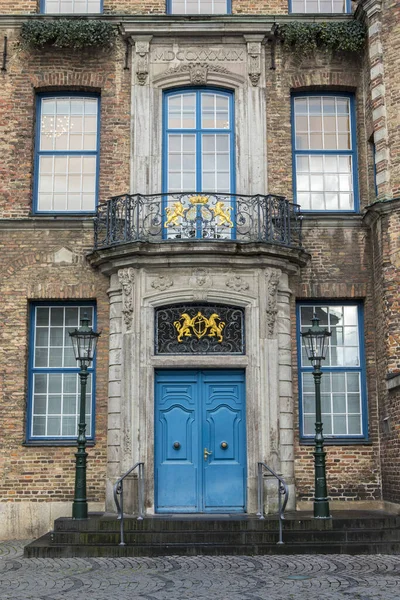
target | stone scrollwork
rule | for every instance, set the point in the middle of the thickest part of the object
(254, 61)
(142, 48)
(237, 283)
(127, 280)
(273, 276)
(162, 283)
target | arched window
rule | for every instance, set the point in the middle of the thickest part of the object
(198, 141)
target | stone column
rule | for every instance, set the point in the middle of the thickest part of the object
(114, 391)
(286, 424)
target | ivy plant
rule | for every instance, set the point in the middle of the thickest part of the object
(68, 33)
(347, 36)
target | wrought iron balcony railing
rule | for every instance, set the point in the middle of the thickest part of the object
(197, 216)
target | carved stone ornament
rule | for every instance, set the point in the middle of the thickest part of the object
(200, 278)
(142, 60)
(198, 74)
(273, 276)
(162, 283)
(237, 283)
(254, 61)
(127, 279)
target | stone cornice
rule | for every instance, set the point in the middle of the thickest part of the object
(333, 220)
(41, 223)
(185, 25)
(189, 254)
(377, 209)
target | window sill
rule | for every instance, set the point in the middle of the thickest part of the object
(337, 442)
(66, 443)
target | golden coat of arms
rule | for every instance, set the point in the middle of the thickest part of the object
(199, 325)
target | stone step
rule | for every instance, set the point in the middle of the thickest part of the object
(226, 537)
(245, 522)
(44, 548)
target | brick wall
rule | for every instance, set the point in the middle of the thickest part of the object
(151, 7)
(29, 272)
(27, 265)
(340, 265)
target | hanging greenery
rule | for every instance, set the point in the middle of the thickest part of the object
(68, 33)
(347, 36)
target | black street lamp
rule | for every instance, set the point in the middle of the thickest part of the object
(316, 343)
(84, 342)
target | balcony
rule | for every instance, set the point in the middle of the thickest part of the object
(198, 217)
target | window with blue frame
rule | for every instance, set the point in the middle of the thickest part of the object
(66, 7)
(54, 386)
(319, 6)
(343, 386)
(199, 141)
(198, 151)
(324, 147)
(198, 7)
(67, 153)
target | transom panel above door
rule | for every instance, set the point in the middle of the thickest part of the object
(200, 441)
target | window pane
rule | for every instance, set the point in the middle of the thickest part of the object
(322, 123)
(340, 390)
(68, 124)
(198, 7)
(71, 6)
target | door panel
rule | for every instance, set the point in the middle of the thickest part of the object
(224, 436)
(177, 441)
(197, 411)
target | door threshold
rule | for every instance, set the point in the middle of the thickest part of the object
(199, 516)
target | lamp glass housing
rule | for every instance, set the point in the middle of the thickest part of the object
(316, 342)
(84, 341)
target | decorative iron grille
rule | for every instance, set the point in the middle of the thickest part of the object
(199, 329)
(202, 217)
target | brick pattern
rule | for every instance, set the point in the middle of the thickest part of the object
(45, 473)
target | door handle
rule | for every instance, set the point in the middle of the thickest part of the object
(206, 453)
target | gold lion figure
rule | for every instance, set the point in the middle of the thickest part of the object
(215, 328)
(220, 211)
(183, 328)
(173, 214)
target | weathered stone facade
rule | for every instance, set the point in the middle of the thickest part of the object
(344, 257)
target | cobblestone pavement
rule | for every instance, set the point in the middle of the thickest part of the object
(335, 577)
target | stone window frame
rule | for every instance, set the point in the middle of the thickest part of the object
(55, 440)
(60, 94)
(249, 104)
(363, 437)
(352, 152)
(42, 8)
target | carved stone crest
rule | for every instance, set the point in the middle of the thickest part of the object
(162, 283)
(200, 278)
(237, 283)
(127, 280)
(198, 74)
(273, 276)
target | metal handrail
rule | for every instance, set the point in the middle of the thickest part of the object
(190, 216)
(119, 491)
(283, 490)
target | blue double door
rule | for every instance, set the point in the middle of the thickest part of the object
(200, 441)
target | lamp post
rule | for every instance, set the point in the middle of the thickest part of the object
(316, 343)
(84, 342)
